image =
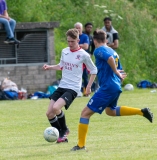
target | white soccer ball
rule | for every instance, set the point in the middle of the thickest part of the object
(51, 134)
(128, 87)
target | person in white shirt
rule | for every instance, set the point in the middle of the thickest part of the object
(71, 63)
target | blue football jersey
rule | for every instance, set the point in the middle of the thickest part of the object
(108, 80)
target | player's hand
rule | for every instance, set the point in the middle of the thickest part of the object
(46, 67)
(123, 74)
(88, 91)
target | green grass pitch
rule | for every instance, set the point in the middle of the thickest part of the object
(22, 123)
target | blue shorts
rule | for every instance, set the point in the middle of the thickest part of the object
(102, 99)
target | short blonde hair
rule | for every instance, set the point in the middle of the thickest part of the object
(73, 33)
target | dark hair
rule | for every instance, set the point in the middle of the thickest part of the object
(107, 18)
(99, 35)
(88, 23)
(73, 33)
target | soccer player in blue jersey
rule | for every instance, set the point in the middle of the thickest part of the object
(107, 96)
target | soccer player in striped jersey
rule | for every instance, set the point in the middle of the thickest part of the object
(71, 63)
(107, 96)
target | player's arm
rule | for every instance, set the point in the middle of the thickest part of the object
(90, 82)
(111, 62)
(58, 66)
(93, 71)
(84, 46)
(90, 65)
(51, 67)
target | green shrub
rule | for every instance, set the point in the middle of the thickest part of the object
(135, 21)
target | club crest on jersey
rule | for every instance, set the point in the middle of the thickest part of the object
(78, 57)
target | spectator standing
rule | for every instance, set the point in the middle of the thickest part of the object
(112, 37)
(88, 30)
(9, 23)
(112, 34)
(84, 40)
(84, 43)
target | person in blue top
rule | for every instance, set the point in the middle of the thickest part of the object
(84, 44)
(106, 98)
(84, 40)
(8, 22)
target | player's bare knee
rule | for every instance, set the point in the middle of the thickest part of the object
(58, 112)
(82, 113)
(86, 113)
(47, 114)
(110, 112)
(55, 110)
(50, 115)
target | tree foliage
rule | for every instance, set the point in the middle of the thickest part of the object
(134, 20)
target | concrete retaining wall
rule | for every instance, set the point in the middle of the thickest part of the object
(32, 77)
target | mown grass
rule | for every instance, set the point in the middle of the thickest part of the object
(22, 124)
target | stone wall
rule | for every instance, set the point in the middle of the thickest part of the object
(32, 77)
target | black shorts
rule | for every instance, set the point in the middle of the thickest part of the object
(67, 94)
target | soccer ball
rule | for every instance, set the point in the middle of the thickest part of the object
(128, 87)
(51, 134)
